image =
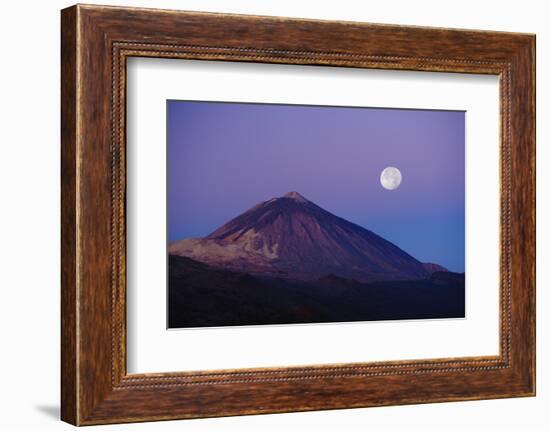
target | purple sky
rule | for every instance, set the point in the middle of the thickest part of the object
(224, 158)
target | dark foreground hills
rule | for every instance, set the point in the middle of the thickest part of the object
(201, 296)
(288, 260)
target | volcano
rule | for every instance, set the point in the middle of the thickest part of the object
(290, 237)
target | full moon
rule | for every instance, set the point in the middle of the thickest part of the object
(390, 178)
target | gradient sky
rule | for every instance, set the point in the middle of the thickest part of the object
(224, 158)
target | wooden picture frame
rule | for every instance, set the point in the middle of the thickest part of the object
(95, 43)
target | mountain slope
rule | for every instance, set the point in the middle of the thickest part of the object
(291, 237)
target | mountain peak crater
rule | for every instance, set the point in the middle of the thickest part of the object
(296, 196)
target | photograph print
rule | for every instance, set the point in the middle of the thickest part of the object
(300, 214)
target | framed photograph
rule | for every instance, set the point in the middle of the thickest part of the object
(264, 215)
(287, 260)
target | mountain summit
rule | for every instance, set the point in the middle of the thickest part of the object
(291, 237)
(296, 196)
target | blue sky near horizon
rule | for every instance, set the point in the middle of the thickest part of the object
(224, 158)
